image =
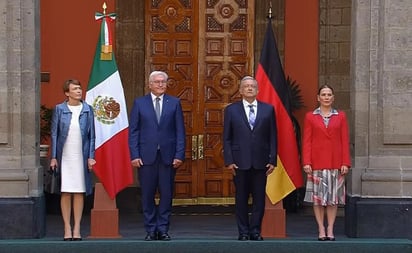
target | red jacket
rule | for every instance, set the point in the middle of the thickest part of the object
(326, 147)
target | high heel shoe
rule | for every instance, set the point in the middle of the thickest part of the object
(324, 238)
(67, 239)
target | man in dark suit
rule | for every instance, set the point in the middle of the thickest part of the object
(250, 151)
(157, 149)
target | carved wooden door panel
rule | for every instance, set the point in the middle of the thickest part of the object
(206, 47)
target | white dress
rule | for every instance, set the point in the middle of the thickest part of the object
(72, 170)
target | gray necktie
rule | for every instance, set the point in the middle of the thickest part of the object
(157, 108)
(252, 116)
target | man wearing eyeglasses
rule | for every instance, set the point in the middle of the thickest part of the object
(157, 149)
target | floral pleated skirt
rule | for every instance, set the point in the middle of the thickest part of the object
(325, 188)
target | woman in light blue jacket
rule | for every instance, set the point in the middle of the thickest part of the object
(72, 154)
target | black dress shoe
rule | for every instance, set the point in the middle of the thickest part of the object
(77, 239)
(150, 237)
(322, 238)
(330, 238)
(243, 238)
(256, 237)
(67, 239)
(164, 237)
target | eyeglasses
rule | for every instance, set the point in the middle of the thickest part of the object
(159, 82)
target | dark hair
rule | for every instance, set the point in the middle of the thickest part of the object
(325, 86)
(67, 83)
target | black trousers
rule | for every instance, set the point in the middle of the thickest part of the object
(250, 182)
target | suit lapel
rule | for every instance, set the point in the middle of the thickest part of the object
(244, 117)
(322, 125)
(243, 112)
(165, 106)
(258, 114)
(151, 106)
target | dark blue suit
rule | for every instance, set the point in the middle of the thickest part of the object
(157, 144)
(251, 150)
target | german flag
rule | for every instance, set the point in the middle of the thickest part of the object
(273, 90)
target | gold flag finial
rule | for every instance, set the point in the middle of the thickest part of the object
(104, 8)
(270, 10)
(106, 37)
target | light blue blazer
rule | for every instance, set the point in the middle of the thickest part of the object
(60, 128)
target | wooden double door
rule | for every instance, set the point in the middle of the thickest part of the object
(206, 47)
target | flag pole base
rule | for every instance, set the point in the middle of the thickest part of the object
(274, 220)
(104, 215)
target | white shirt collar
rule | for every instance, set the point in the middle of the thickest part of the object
(154, 96)
(246, 103)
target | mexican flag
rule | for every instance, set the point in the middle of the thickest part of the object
(105, 94)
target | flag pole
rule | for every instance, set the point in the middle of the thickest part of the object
(104, 217)
(274, 219)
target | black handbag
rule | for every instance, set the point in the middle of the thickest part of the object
(52, 182)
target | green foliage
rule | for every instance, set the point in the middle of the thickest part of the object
(46, 114)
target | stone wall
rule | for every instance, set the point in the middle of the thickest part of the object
(380, 188)
(19, 123)
(130, 48)
(21, 186)
(278, 25)
(381, 98)
(334, 49)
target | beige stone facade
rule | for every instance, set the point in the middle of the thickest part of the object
(21, 176)
(380, 184)
(19, 98)
(381, 97)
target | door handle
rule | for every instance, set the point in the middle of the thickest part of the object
(194, 147)
(200, 147)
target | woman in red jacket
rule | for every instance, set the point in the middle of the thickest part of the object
(326, 160)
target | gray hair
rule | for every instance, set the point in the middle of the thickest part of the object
(245, 78)
(158, 73)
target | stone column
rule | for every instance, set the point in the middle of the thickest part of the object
(22, 212)
(380, 184)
